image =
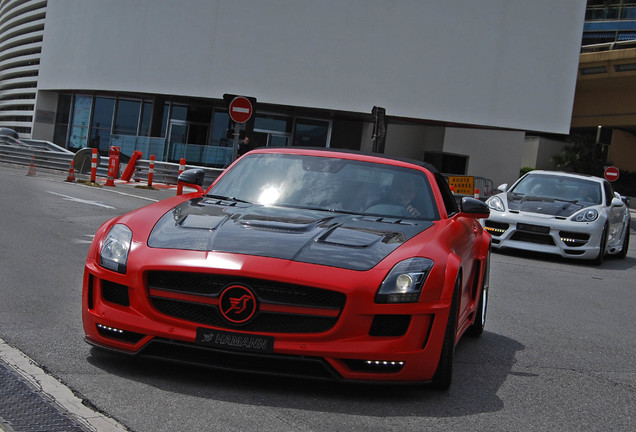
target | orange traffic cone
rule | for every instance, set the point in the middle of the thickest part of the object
(110, 181)
(71, 173)
(32, 167)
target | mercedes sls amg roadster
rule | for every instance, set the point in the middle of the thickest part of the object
(316, 263)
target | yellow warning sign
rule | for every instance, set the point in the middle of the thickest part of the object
(463, 185)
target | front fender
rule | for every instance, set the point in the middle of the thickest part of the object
(453, 267)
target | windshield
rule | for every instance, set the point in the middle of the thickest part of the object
(558, 188)
(329, 184)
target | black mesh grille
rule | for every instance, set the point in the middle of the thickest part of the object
(532, 238)
(390, 325)
(262, 322)
(268, 292)
(115, 293)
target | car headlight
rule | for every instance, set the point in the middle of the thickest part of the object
(495, 203)
(114, 254)
(588, 215)
(404, 282)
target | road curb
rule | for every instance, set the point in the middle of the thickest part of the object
(46, 388)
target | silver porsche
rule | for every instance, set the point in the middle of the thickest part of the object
(571, 215)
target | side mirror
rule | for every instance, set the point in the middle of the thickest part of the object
(193, 178)
(502, 187)
(474, 208)
(617, 202)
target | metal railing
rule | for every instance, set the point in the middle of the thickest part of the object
(167, 172)
(46, 155)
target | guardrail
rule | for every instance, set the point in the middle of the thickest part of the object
(49, 156)
(167, 172)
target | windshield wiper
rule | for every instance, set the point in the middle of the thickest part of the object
(224, 198)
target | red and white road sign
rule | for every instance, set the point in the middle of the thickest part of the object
(240, 109)
(611, 173)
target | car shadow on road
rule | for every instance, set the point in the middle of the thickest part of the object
(481, 367)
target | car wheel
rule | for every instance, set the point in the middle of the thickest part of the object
(623, 252)
(601, 252)
(477, 328)
(444, 373)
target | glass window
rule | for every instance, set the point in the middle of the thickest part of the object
(311, 133)
(127, 120)
(198, 114)
(62, 119)
(272, 123)
(179, 112)
(164, 121)
(220, 125)
(146, 117)
(102, 123)
(78, 137)
(330, 184)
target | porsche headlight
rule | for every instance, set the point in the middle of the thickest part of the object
(588, 215)
(495, 203)
(404, 282)
(114, 254)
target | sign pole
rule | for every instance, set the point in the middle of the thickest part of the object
(240, 110)
(235, 144)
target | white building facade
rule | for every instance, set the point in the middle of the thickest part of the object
(460, 81)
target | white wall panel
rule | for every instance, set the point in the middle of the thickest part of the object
(504, 63)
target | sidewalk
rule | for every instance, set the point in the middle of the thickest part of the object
(30, 399)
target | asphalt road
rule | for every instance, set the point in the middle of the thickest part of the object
(558, 353)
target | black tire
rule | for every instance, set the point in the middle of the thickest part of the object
(477, 328)
(444, 374)
(623, 252)
(601, 253)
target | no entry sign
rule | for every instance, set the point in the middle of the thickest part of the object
(611, 173)
(240, 109)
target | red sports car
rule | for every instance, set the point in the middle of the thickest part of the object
(318, 263)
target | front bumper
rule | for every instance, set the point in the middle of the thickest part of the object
(545, 234)
(360, 340)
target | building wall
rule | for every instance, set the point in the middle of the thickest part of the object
(493, 154)
(455, 61)
(413, 141)
(538, 152)
(622, 152)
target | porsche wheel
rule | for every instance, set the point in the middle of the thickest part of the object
(601, 250)
(444, 373)
(625, 246)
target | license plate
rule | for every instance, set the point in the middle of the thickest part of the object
(235, 341)
(533, 228)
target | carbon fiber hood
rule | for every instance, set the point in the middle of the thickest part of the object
(318, 237)
(546, 206)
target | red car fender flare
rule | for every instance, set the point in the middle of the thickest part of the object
(453, 268)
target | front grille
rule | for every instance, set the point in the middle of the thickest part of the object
(115, 293)
(268, 291)
(196, 296)
(390, 325)
(262, 322)
(532, 238)
(537, 229)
